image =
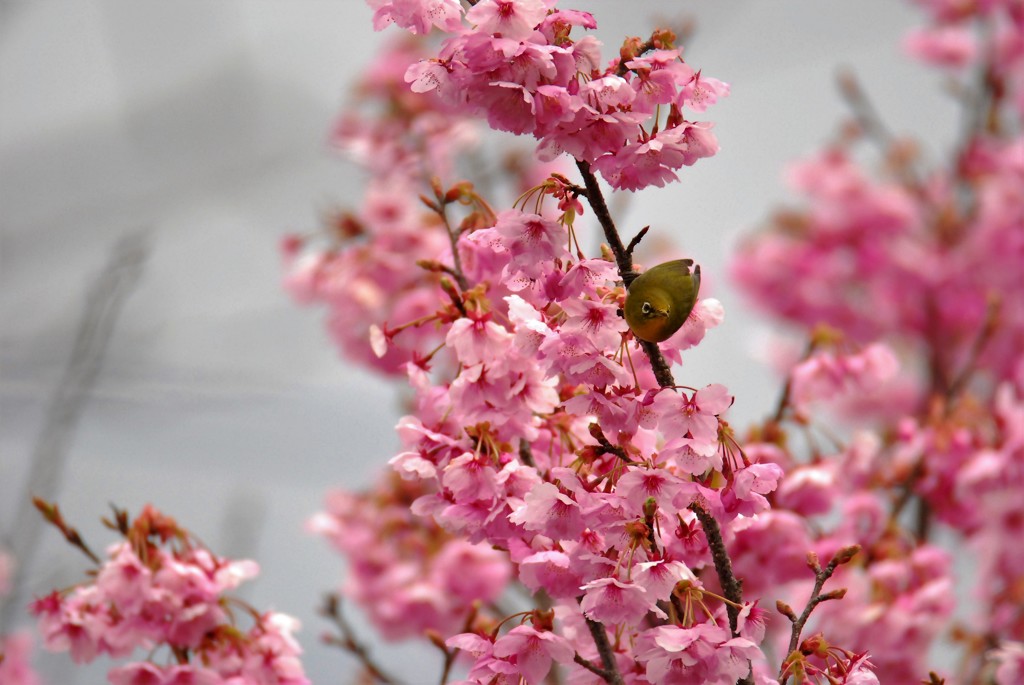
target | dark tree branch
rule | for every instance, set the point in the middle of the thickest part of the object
(604, 649)
(589, 665)
(624, 261)
(606, 446)
(636, 240)
(731, 586)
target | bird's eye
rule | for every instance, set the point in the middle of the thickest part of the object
(647, 309)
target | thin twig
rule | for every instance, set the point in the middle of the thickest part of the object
(51, 514)
(453, 238)
(871, 123)
(906, 490)
(863, 110)
(820, 576)
(636, 240)
(611, 234)
(662, 373)
(454, 295)
(331, 610)
(449, 661)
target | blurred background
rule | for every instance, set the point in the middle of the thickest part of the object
(151, 156)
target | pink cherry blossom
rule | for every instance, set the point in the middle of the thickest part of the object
(549, 511)
(16, 662)
(949, 46)
(552, 571)
(701, 654)
(693, 417)
(511, 18)
(533, 651)
(611, 601)
(419, 16)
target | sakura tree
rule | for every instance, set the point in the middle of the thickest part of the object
(565, 508)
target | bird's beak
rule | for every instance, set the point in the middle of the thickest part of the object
(662, 313)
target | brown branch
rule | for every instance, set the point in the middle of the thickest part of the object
(604, 650)
(589, 665)
(820, 576)
(787, 390)
(453, 238)
(606, 446)
(439, 205)
(906, 490)
(437, 267)
(526, 454)
(454, 295)
(449, 661)
(732, 587)
(662, 373)
(331, 610)
(870, 121)
(624, 260)
(636, 240)
(611, 234)
(51, 514)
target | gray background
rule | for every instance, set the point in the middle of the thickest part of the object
(203, 123)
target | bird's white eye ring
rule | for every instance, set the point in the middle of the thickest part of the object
(647, 309)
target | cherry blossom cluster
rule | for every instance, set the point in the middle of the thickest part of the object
(831, 376)
(952, 42)
(515, 64)
(407, 573)
(159, 589)
(920, 264)
(366, 273)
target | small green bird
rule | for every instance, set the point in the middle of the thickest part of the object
(659, 300)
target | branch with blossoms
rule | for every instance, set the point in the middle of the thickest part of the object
(537, 430)
(821, 575)
(160, 591)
